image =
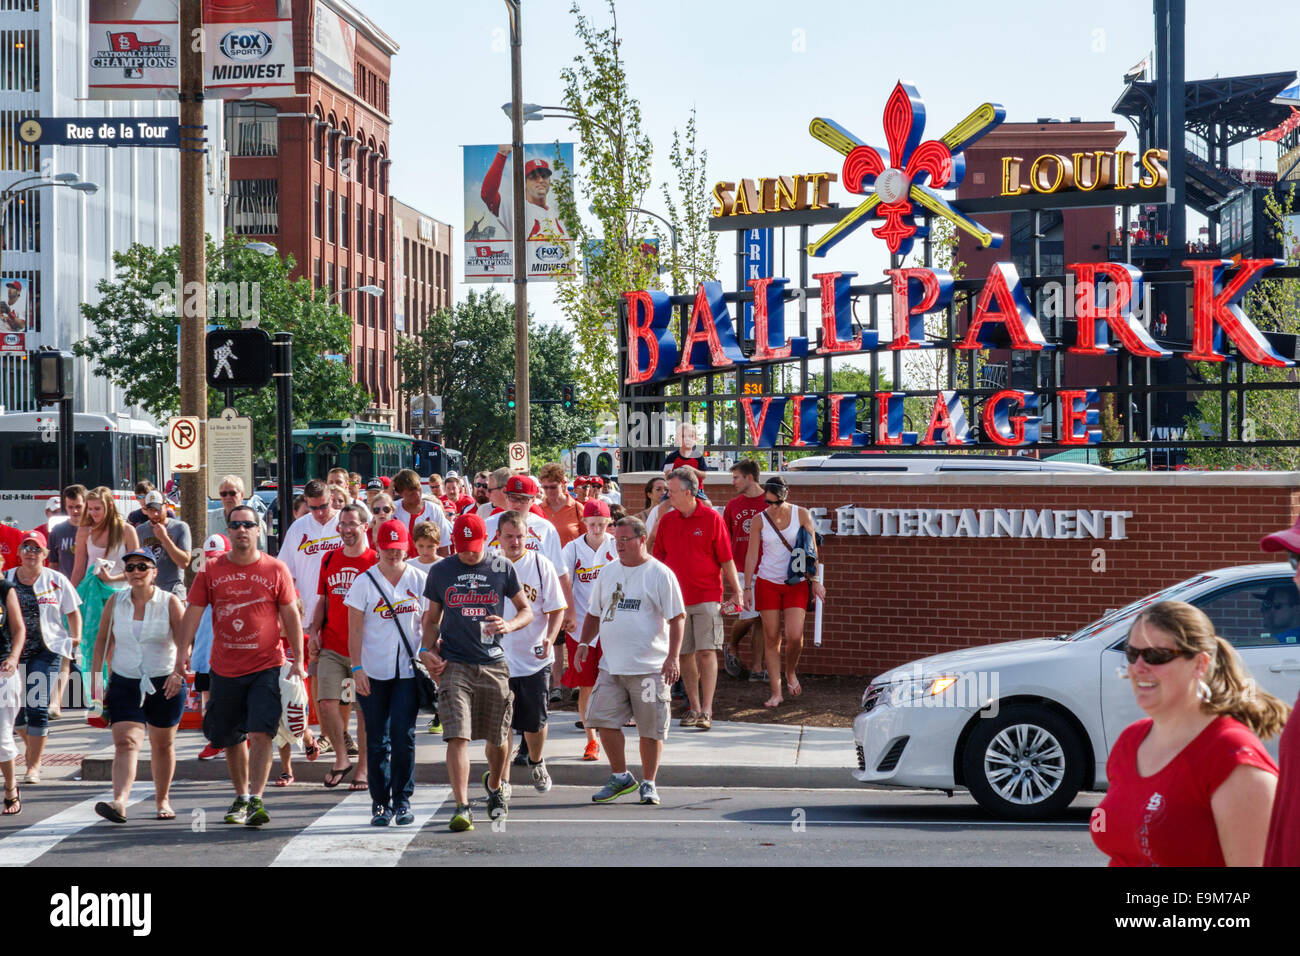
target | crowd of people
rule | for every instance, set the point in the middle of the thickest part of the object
(501, 593)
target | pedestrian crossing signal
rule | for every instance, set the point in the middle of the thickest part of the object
(510, 395)
(567, 400)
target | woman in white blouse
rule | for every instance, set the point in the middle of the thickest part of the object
(136, 637)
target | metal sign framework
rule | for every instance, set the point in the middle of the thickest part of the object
(1136, 387)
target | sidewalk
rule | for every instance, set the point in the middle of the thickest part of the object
(732, 754)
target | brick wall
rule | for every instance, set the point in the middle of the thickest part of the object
(891, 600)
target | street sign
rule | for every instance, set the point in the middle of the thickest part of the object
(518, 456)
(229, 450)
(101, 131)
(238, 358)
(183, 444)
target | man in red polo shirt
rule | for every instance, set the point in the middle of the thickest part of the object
(693, 541)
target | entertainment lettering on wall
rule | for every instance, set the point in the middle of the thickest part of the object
(1057, 524)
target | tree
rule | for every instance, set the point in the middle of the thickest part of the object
(134, 331)
(472, 380)
(1274, 306)
(614, 170)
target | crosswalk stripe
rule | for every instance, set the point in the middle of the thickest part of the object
(344, 837)
(39, 838)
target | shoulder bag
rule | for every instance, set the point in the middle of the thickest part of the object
(426, 690)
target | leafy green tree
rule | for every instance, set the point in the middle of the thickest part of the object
(472, 380)
(1274, 306)
(134, 327)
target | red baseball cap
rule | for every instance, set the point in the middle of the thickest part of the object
(392, 534)
(386, 481)
(595, 508)
(1288, 540)
(521, 485)
(469, 533)
(36, 536)
(533, 165)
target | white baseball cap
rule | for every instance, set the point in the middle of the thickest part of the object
(216, 544)
(52, 505)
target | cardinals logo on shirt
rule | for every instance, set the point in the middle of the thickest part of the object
(312, 546)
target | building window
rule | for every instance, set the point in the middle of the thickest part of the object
(360, 368)
(316, 213)
(344, 227)
(383, 373)
(331, 235)
(345, 139)
(332, 148)
(383, 177)
(383, 238)
(317, 274)
(373, 250)
(251, 128)
(254, 207)
(362, 299)
(374, 165)
(370, 367)
(361, 229)
(334, 278)
(319, 145)
(373, 310)
(23, 223)
(20, 61)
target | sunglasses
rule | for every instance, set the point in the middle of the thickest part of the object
(772, 501)
(480, 484)
(236, 525)
(230, 494)
(382, 511)
(31, 548)
(139, 567)
(1155, 656)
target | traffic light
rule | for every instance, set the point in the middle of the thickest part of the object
(510, 395)
(567, 401)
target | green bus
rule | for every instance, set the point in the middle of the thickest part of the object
(368, 448)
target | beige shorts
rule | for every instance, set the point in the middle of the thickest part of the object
(703, 630)
(475, 702)
(645, 698)
(332, 669)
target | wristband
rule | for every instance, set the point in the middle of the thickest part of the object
(357, 668)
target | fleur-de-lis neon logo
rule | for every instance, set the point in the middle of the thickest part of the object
(896, 180)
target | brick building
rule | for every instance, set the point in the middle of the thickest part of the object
(310, 175)
(421, 261)
(898, 594)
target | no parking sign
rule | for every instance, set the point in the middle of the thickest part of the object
(518, 456)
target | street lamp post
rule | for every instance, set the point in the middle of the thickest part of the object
(12, 192)
(522, 409)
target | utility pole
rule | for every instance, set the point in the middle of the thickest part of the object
(522, 423)
(194, 287)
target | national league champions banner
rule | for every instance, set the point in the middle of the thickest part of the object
(134, 48)
(489, 213)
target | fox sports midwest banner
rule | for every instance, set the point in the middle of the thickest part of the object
(489, 213)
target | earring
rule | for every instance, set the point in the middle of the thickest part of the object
(1203, 691)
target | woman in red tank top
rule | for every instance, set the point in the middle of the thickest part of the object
(1191, 785)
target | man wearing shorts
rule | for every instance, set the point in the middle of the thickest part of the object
(528, 651)
(692, 540)
(327, 642)
(252, 597)
(462, 649)
(746, 505)
(638, 612)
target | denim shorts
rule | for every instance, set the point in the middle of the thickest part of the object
(122, 703)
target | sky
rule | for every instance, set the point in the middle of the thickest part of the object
(757, 72)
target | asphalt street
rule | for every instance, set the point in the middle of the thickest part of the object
(728, 827)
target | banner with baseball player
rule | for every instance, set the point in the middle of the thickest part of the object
(489, 213)
(15, 314)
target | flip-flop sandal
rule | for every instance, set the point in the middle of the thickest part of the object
(109, 812)
(167, 814)
(794, 687)
(335, 777)
(14, 805)
(285, 780)
(359, 785)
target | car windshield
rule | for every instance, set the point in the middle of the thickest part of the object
(1131, 610)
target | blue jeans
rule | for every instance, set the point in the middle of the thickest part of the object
(39, 685)
(390, 710)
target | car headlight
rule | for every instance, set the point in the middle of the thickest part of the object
(912, 689)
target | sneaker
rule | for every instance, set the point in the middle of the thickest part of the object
(521, 755)
(381, 815)
(616, 786)
(257, 815)
(404, 817)
(690, 719)
(208, 752)
(351, 745)
(704, 722)
(557, 696)
(461, 820)
(731, 663)
(648, 794)
(497, 800)
(593, 750)
(758, 677)
(541, 777)
(238, 812)
(435, 725)
(324, 744)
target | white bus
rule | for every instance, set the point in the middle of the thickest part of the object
(115, 452)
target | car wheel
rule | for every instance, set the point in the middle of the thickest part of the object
(1024, 764)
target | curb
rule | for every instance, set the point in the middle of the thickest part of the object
(564, 772)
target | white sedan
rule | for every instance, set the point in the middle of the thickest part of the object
(1025, 725)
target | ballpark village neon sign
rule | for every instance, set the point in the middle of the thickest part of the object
(1002, 310)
